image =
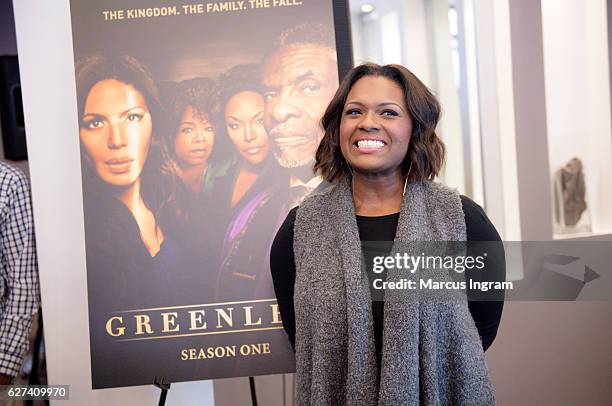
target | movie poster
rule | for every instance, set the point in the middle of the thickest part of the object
(198, 124)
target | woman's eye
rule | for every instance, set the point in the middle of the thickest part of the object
(133, 117)
(209, 129)
(233, 126)
(94, 123)
(186, 130)
(352, 112)
(389, 113)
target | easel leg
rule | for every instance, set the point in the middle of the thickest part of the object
(253, 393)
(164, 386)
(162, 397)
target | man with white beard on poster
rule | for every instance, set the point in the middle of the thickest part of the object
(300, 76)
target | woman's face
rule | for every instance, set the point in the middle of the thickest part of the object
(375, 126)
(244, 121)
(195, 138)
(116, 131)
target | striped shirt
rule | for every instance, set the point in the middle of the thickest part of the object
(19, 294)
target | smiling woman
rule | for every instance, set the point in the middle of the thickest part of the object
(380, 153)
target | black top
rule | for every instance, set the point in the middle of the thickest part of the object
(486, 314)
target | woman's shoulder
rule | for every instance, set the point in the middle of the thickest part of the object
(439, 192)
(321, 196)
(478, 225)
(282, 246)
(286, 229)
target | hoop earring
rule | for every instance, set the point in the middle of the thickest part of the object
(349, 168)
(406, 179)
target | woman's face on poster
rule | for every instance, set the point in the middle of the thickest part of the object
(115, 131)
(244, 119)
(194, 139)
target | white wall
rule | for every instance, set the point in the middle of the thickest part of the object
(44, 42)
(578, 96)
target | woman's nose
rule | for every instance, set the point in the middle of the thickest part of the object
(369, 122)
(116, 138)
(200, 136)
(249, 134)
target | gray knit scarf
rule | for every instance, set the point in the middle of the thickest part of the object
(431, 354)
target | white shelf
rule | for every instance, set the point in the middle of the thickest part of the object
(587, 235)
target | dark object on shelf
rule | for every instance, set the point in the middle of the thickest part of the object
(574, 189)
(11, 110)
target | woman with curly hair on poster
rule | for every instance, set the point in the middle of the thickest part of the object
(192, 107)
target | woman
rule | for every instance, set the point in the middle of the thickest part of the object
(132, 258)
(245, 198)
(243, 115)
(189, 144)
(380, 153)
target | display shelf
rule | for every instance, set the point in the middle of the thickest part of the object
(586, 235)
(578, 116)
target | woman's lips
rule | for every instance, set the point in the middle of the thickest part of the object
(199, 151)
(253, 150)
(119, 165)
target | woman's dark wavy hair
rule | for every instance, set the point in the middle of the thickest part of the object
(240, 78)
(126, 69)
(426, 151)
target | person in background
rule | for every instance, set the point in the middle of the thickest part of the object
(19, 292)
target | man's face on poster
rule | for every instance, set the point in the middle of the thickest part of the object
(300, 79)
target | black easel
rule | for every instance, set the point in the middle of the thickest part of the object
(164, 386)
(253, 393)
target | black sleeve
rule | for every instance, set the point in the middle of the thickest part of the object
(282, 266)
(486, 312)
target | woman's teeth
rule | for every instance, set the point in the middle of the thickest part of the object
(370, 144)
